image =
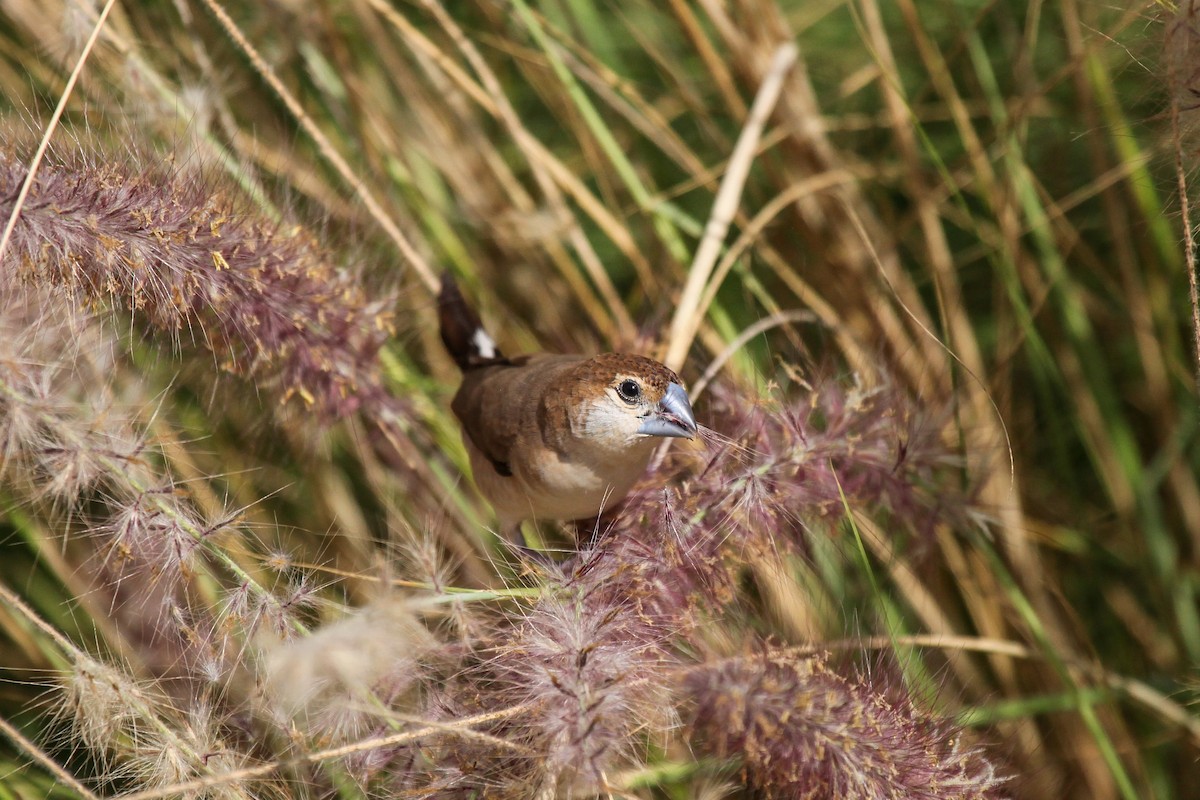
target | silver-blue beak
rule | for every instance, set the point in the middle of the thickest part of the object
(674, 417)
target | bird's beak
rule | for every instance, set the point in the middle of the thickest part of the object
(674, 417)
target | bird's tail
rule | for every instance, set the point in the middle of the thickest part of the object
(462, 332)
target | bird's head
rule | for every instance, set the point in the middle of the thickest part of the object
(626, 399)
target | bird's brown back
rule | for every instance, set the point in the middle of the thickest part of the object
(499, 403)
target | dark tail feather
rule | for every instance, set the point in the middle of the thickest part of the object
(462, 332)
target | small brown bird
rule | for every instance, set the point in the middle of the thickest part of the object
(556, 437)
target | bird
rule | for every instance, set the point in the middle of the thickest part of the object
(555, 436)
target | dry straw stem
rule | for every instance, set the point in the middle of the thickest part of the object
(763, 325)
(454, 729)
(45, 142)
(138, 483)
(624, 327)
(984, 415)
(47, 763)
(364, 745)
(690, 312)
(158, 100)
(1182, 31)
(1013, 536)
(14, 601)
(415, 260)
(1137, 691)
(1018, 547)
(134, 703)
(552, 174)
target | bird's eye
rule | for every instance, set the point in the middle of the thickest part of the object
(629, 390)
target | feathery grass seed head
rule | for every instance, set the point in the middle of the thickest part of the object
(803, 730)
(337, 681)
(183, 258)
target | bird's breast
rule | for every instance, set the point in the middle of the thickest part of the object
(573, 486)
(557, 484)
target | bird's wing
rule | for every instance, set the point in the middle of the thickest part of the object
(498, 404)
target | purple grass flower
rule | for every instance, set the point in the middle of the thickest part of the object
(183, 258)
(776, 471)
(801, 729)
(592, 675)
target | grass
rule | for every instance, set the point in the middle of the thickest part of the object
(940, 283)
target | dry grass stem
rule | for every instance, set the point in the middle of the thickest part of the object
(36, 161)
(689, 312)
(413, 258)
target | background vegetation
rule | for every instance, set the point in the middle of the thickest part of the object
(944, 528)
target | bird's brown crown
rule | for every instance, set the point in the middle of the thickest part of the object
(603, 369)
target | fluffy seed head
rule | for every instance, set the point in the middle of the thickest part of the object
(803, 730)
